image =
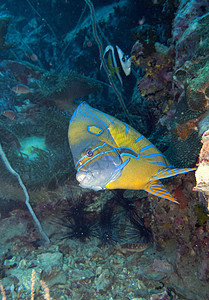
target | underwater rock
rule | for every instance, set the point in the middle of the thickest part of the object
(197, 91)
(204, 269)
(190, 34)
(156, 83)
(187, 28)
(103, 282)
(160, 296)
(203, 125)
(202, 173)
(51, 263)
(157, 270)
(23, 72)
(49, 259)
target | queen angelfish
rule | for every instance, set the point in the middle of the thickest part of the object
(109, 154)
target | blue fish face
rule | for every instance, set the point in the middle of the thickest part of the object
(97, 166)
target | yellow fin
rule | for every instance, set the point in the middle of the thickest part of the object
(156, 188)
(169, 172)
(112, 69)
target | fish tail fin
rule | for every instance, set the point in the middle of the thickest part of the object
(156, 188)
(169, 172)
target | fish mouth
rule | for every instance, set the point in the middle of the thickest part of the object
(80, 177)
(87, 180)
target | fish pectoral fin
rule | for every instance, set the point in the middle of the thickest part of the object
(156, 188)
(118, 171)
(169, 172)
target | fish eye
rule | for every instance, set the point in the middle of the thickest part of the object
(89, 153)
(124, 58)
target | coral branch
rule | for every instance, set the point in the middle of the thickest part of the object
(12, 171)
(46, 290)
(32, 284)
(2, 292)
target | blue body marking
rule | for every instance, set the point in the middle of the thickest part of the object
(89, 117)
(146, 148)
(91, 113)
(131, 155)
(76, 111)
(97, 147)
(139, 138)
(90, 159)
(100, 120)
(153, 155)
(85, 156)
(167, 171)
(111, 121)
(158, 163)
(127, 128)
(94, 132)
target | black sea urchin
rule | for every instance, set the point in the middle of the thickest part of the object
(107, 227)
(77, 221)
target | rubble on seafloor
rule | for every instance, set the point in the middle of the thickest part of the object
(174, 266)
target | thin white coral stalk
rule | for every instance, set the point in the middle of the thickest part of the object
(46, 290)
(12, 171)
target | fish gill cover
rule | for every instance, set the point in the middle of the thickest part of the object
(146, 63)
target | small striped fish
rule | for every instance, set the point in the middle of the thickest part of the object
(109, 154)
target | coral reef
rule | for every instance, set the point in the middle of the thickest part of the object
(157, 81)
(191, 65)
(202, 173)
(188, 30)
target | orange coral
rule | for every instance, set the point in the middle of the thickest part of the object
(180, 197)
(185, 129)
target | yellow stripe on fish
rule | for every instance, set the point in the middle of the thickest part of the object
(109, 154)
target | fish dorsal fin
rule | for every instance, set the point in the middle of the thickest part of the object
(128, 140)
(169, 172)
(156, 188)
(126, 136)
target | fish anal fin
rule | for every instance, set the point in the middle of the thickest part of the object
(169, 172)
(156, 188)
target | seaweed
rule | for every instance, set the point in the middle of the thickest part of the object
(50, 166)
(61, 89)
